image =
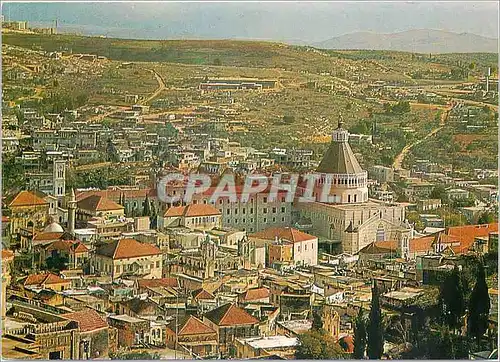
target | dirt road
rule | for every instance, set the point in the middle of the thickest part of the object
(398, 161)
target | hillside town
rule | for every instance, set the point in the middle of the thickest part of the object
(104, 255)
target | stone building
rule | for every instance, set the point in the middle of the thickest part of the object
(128, 257)
(351, 221)
(231, 322)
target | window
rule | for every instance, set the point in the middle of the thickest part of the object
(220, 202)
(274, 210)
(157, 264)
(244, 210)
(236, 211)
(265, 220)
(251, 210)
(283, 199)
(265, 199)
(283, 209)
(264, 210)
(274, 219)
(380, 233)
(228, 211)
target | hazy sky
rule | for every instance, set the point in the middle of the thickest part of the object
(290, 21)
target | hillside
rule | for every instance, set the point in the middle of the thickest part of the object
(417, 41)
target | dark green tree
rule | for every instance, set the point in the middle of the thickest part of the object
(439, 192)
(451, 300)
(375, 340)
(56, 263)
(486, 218)
(111, 152)
(359, 336)
(479, 307)
(317, 321)
(146, 210)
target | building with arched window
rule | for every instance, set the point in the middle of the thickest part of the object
(348, 220)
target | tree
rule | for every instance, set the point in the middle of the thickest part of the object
(479, 307)
(317, 321)
(375, 340)
(146, 211)
(439, 192)
(143, 355)
(56, 263)
(111, 152)
(486, 218)
(317, 345)
(451, 300)
(359, 336)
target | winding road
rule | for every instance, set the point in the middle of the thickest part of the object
(161, 87)
(398, 161)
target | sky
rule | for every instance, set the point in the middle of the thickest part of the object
(280, 21)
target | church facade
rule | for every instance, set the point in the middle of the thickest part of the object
(352, 220)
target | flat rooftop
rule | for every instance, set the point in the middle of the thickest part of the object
(271, 342)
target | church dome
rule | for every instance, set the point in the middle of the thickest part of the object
(53, 228)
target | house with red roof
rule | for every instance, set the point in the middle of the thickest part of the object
(195, 216)
(47, 281)
(27, 210)
(75, 252)
(95, 338)
(97, 205)
(230, 322)
(193, 335)
(254, 295)
(203, 300)
(290, 246)
(127, 257)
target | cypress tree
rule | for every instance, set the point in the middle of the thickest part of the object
(375, 345)
(451, 300)
(479, 307)
(359, 336)
(146, 210)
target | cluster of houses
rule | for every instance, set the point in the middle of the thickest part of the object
(90, 273)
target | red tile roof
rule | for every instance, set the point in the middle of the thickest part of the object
(68, 245)
(422, 244)
(153, 283)
(465, 235)
(88, 320)
(48, 236)
(194, 326)
(192, 210)
(255, 294)
(230, 315)
(127, 248)
(286, 233)
(98, 203)
(200, 294)
(44, 279)
(26, 198)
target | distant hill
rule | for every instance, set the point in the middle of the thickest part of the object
(418, 41)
